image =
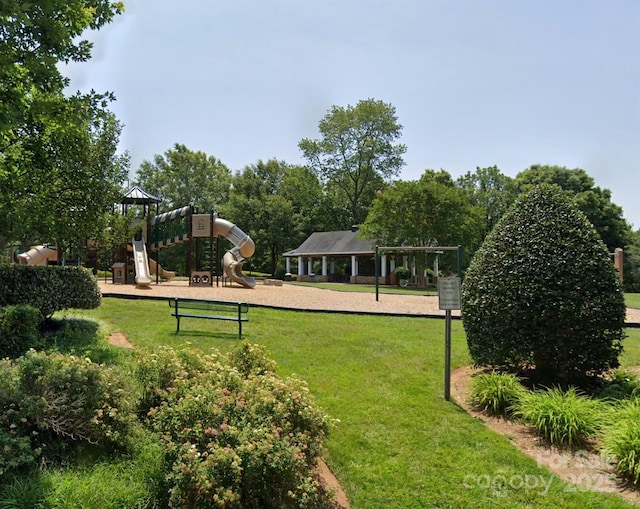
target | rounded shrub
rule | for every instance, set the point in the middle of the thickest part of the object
(541, 292)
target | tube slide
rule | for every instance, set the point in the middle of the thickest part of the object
(141, 263)
(234, 258)
(38, 255)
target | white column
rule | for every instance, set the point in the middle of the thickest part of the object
(309, 265)
(287, 262)
(324, 265)
(383, 265)
(393, 264)
(300, 266)
(354, 266)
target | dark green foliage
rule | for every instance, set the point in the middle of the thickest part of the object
(542, 292)
(48, 288)
(19, 330)
(620, 384)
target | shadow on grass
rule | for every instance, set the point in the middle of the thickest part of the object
(79, 336)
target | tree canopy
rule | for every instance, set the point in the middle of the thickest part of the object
(181, 177)
(58, 165)
(356, 153)
(431, 211)
(595, 202)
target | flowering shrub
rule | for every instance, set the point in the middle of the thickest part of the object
(49, 402)
(239, 439)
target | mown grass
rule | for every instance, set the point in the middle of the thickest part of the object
(399, 444)
(386, 289)
(632, 300)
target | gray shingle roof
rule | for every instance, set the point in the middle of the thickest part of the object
(340, 243)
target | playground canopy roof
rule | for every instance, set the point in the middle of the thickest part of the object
(338, 243)
(138, 196)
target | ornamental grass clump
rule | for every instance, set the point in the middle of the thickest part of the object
(621, 438)
(563, 418)
(496, 393)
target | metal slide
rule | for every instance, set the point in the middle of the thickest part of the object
(141, 263)
(234, 258)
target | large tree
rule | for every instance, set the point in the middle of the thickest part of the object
(274, 203)
(356, 153)
(181, 177)
(59, 171)
(431, 211)
(491, 191)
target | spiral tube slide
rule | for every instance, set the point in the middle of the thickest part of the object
(234, 258)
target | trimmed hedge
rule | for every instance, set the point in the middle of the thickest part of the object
(542, 292)
(48, 288)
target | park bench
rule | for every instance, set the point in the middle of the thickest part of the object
(209, 309)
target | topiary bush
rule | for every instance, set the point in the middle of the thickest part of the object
(48, 288)
(542, 292)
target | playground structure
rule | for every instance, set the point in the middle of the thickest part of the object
(201, 231)
(185, 225)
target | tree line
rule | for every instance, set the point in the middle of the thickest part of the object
(61, 173)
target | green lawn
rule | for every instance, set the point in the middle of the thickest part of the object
(632, 300)
(399, 443)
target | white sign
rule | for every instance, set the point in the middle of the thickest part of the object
(449, 293)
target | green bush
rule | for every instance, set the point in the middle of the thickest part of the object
(542, 293)
(621, 438)
(51, 402)
(238, 439)
(48, 288)
(564, 418)
(19, 330)
(496, 393)
(620, 384)
(251, 360)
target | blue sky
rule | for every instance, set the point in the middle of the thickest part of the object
(474, 82)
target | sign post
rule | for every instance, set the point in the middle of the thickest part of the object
(448, 299)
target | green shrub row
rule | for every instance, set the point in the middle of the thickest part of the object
(570, 419)
(48, 288)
